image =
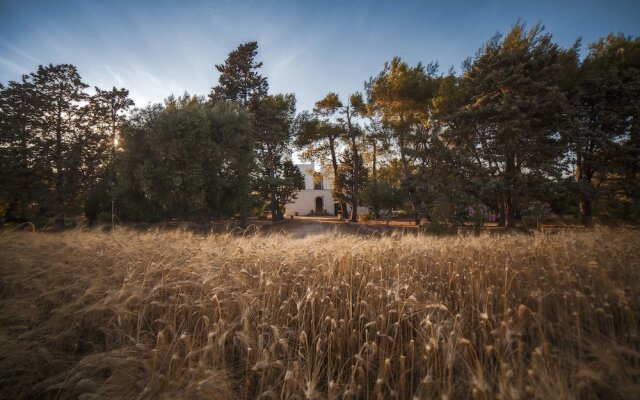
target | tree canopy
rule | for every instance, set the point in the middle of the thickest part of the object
(524, 122)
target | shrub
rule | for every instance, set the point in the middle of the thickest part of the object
(433, 228)
(479, 214)
(366, 216)
(535, 212)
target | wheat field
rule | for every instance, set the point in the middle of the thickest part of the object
(173, 315)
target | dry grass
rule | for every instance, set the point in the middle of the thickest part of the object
(178, 316)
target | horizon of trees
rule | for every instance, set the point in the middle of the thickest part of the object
(525, 122)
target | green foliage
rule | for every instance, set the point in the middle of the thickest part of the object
(513, 111)
(352, 178)
(478, 214)
(401, 96)
(239, 80)
(604, 135)
(97, 201)
(318, 139)
(328, 105)
(525, 121)
(291, 181)
(56, 142)
(366, 216)
(241, 83)
(277, 180)
(22, 192)
(59, 92)
(103, 217)
(184, 160)
(433, 228)
(381, 195)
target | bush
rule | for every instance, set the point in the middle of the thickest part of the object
(103, 217)
(366, 216)
(433, 228)
(478, 214)
(539, 210)
(97, 202)
(535, 212)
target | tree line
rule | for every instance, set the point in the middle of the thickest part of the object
(524, 121)
(65, 152)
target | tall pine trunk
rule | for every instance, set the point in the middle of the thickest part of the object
(584, 175)
(354, 172)
(354, 204)
(59, 179)
(507, 209)
(25, 174)
(374, 160)
(499, 208)
(244, 169)
(334, 164)
(273, 206)
(405, 162)
(356, 181)
(586, 212)
(507, 206)
(273, 202)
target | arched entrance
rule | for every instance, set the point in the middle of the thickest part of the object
(319, 204)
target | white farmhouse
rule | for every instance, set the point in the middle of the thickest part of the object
(316, 197)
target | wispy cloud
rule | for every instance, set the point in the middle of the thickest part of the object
(285, 61)
(145, 75)
(14, 49)
(158, 48)
(16, 68)
(115, 75)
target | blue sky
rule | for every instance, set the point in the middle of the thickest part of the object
(156, 48)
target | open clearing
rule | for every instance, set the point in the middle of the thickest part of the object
(181, 316)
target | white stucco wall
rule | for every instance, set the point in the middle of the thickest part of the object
(306, 202)
(327, 179)
(308, 170)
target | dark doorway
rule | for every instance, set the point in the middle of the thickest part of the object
(319, 204)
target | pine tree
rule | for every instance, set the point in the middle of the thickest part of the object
(605, 134)
(274, 117)
(60, 91)
(318, 139)
(104, 119)
(179, 160)
(331, 106)
(22, 192)
(401, 97)
(352, 179)
(239, 79)
(517, 110)
(240, 82)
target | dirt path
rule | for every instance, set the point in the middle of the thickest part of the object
(301, 227)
